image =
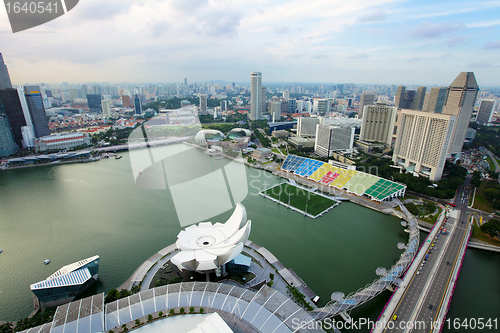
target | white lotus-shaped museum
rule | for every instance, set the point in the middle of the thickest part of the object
(205, 247)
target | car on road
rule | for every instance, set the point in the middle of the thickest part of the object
(395, 317)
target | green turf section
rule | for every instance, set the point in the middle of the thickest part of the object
(298, 198)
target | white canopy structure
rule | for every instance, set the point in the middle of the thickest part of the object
(205, 247)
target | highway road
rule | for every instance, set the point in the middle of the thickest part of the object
(418, 308)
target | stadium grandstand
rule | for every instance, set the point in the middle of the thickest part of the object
(351, 181)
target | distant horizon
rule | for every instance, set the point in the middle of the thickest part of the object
(390, 42)
(220, 82)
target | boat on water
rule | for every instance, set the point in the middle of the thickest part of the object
(117, 157)
(67, 283)
(46, 261)
(1, 251)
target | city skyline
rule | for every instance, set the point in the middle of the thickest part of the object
(362, 42)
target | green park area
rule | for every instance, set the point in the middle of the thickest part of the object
(426, 210)
(487, 197)
(489, 232)
(300, 198)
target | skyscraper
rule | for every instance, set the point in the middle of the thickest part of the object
(255, 95)
(422, 142)
(306, 126)
(366, 99)
(7, 144)
(126, 101)
(485, 113)
(106, 108)
(275, 110)
(378, 123)
(24, 107)
(322, 106)
(36, 110)
(434, 100)
(94, 102)
(4, 75)
(286, 94)
(460, 99)
(14, 110)
(203, 104)
(264, 100)
(137, 104)
(411, 99)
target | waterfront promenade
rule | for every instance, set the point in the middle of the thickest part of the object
(263, 264)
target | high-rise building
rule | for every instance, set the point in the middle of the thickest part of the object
(264, 100)
(14, 110)
(256, 97)
(24, 107)
(366, 99)
(460, 99)
(286, 94)
(5, 82)
(126, 102)
(378, 123)
(422, 142)
(106, 108)
(411, 99)
(36, 110)
(322, 106)
(332, 138)
(306, 126)
(292, 105)
(137, 104)
(434, 100)
(94, 102)
(8, 145)
(275, 110)
(485, 113)
(203, 104)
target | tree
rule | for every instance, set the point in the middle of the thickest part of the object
(150, 318)
(172, 312)
(112, 296)
(137, 322)
(202, 310)
(181, 310)
(491, 228)
(160, 314)
(191, 309)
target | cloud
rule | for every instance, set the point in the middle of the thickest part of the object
(447, 55)
(158, 29)
(484, 63)
(429, 30)
(321, 56)
(414, 59)
(492, 45)
(376, 16)
(282, 29)
(359, 56)
(456, 41)
(96, 10)
(375, 31)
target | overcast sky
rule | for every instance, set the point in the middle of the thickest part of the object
(426, 42)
